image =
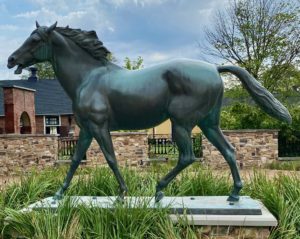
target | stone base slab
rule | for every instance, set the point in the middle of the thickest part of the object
(205, 210)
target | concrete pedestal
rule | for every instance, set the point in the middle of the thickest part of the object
(208, 210)
(212, 216)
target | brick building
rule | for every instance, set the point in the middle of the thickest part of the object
(35, 106)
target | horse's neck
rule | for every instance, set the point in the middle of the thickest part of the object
(71, 65)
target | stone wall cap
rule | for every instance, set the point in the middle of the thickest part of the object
(250, 130)
(57, 135)
(28, 135)
(19, 87)
(128, 133)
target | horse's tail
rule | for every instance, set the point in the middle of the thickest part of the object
(260, 94)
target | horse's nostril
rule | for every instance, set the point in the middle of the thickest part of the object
(11, 62)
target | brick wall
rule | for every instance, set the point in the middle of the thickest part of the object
(65, 125)
(130, 148)
(253, 148)
(16, 101)
(2, 124)
(19, 153)
(39, 121)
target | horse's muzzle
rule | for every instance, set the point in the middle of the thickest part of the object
(11, 62)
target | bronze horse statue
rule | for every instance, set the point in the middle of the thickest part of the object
(107, 97)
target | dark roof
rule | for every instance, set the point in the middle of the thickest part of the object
(50, 98)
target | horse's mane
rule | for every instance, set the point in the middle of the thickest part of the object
(87, 40)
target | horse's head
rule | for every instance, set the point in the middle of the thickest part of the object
(35, 49)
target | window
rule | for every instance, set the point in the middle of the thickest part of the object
(52, 124)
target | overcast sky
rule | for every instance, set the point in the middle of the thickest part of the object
(157, 30)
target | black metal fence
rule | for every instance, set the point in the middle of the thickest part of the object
(163, 146)
(289, 144)
(66, 147)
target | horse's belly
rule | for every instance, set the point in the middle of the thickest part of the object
(137, 125)
(137, 118)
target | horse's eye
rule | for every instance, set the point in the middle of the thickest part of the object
(36, 38)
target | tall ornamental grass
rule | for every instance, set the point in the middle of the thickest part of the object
(281, 195)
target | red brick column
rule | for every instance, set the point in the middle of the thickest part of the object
(16, 101)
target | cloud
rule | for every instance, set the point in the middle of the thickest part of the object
(85, 19)
(157, 30)
(3, 7)
(151, 55)
(119, 3)
(9, 27)
(9, 44)
(60, 5)
(8, 74)
(48, 15)
(30, 14)
(111, 29)
(186, 51)
(158, 56)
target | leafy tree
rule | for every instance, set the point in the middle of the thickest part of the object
(249, 116)
(262, 36)
(44, 71)
(133, 64)
(112, 58)
(128, 63)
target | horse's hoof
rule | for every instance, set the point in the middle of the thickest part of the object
(233, 198)
(120, 200)
(57, 196)
(159, 196)
(123, 193)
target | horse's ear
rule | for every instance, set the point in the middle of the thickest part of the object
(51, 28)
(37, 24)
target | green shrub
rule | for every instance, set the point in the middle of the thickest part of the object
(281, 195)
(247, 116)
(284, 165)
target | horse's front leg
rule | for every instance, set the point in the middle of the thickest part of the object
(83, 144)
(103, 137)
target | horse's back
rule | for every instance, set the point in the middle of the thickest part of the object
(180, 76)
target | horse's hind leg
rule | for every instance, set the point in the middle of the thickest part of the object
(216, 137)
(183, 140)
